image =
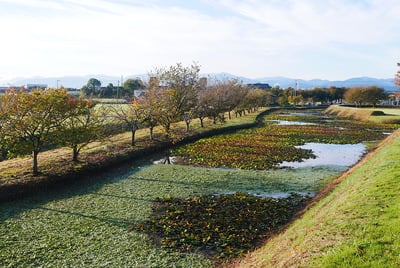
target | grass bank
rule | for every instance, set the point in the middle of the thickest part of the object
(378, 115)
(356, 225)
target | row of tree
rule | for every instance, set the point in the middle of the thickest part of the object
(358, 96)
(365, 95)
(33, 121)
(177, 94)
(93, 88)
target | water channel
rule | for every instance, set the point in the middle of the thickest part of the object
(91, 222)
(341, 155)
(306, 177)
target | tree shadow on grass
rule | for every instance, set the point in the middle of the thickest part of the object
(89, 185)
(85, 184)
(124, 197)
(120, 222)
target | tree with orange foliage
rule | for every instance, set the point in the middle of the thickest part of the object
(83, 125)
(29, 120)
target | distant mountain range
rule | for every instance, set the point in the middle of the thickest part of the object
(387, 84)
(283, 82)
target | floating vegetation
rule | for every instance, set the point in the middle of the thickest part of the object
(224, 225)
(268, 146)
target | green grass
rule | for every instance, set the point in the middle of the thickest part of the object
(391, 115)
(89, 225)
(357, 225)
(372, 228)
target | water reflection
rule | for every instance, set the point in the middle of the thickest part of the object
(273, 194)
(302, 114)
(344, 155)
(167, 160)
(290, 123)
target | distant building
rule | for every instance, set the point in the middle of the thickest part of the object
(260, 85)
(35, 86)
(139, 92)
(203, 82)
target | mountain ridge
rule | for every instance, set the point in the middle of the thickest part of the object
(284, 82)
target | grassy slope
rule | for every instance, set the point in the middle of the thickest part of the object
(357, 225)
(391, 114)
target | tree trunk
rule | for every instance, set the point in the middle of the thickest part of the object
(133, 132)
(151, 133)
(167, 128)
(201, 122)
(75, 153)
(35, 169)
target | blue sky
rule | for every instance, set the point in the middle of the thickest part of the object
(305, 39)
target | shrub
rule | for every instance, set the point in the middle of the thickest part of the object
(377, 113)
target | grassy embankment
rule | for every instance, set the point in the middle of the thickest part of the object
(377, 115)
(356, 225)
(57, 164)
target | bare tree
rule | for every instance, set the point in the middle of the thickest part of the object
(131, 115)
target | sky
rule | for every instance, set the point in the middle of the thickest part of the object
(303, 39)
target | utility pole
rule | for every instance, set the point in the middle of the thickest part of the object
(118, 89)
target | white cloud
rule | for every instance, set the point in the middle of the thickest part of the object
(323, 21)
(246, 37)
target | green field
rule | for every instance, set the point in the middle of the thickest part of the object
(89, 225)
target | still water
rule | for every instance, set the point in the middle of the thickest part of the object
(342, 155)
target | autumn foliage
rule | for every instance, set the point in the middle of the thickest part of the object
(31, 121)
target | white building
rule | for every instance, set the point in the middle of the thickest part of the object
(35, 86)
